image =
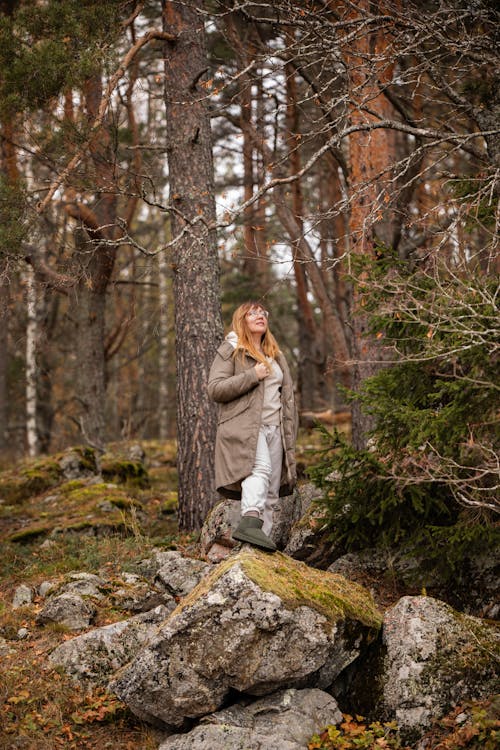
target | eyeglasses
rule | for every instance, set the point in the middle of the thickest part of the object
(255, 313)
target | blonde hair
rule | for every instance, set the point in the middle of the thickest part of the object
(246, 343)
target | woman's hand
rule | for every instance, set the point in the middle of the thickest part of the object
(262, 370)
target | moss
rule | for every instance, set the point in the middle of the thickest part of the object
(79, 507)
(169, 504)
(471, 660)
(298, 585)
(73, 484)
(32, 479)
(126, 503)
(30, 533)
(97, 527)
(124, 471)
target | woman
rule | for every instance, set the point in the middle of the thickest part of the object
(255, 444)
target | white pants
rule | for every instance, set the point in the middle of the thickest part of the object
(260, 490)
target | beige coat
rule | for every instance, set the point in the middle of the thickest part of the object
(234, 385)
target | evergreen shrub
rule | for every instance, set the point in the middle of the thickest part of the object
(429, 476)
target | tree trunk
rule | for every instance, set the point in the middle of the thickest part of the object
(4, 321)
(31, 368)
(198, 325)
(371, 222)
(88, 302)
(94, 261)
(163, 390)
(311, 368)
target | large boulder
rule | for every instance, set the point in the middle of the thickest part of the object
(92, 658)
(431, 659)
(258, 623)
(284, 720)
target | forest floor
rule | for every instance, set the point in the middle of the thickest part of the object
(40, 707)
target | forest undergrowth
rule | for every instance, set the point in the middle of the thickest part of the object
(41, 708)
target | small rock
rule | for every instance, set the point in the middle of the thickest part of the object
(23, 596)
(142, 598)
(106, 507)
(217, 552)
(46, 587)
(131, 578)
(48, 544)
(68, 609)
(22, 633)
(75, 466)
(85, 584)
(5, 648)
(136, 453)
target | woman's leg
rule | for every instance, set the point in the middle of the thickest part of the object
(254, 488)
(254, 491)
(275, 448)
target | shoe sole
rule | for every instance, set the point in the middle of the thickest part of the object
(243, 538)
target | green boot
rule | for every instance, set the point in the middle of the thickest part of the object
(249, 530)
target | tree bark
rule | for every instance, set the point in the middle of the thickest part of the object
(311, 370)
(163, 343)
(88, 302)
(94, 260)
(371, 154)
(198, 325)
(4, 321)
(31, 367)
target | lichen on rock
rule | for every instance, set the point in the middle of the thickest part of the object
(431, 659)
(256, 624)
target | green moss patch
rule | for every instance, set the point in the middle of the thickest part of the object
(33, 477)
(298, 585)
(30, 479)
(169, 503)
(79, 507)
(124, 471)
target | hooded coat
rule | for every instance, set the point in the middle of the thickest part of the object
(234, 385)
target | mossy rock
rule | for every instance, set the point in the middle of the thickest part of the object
(33, 477)
(29, 480)
(78, 507)
(169, 505)
(298, 585)
(124, 471)
(30, 534)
